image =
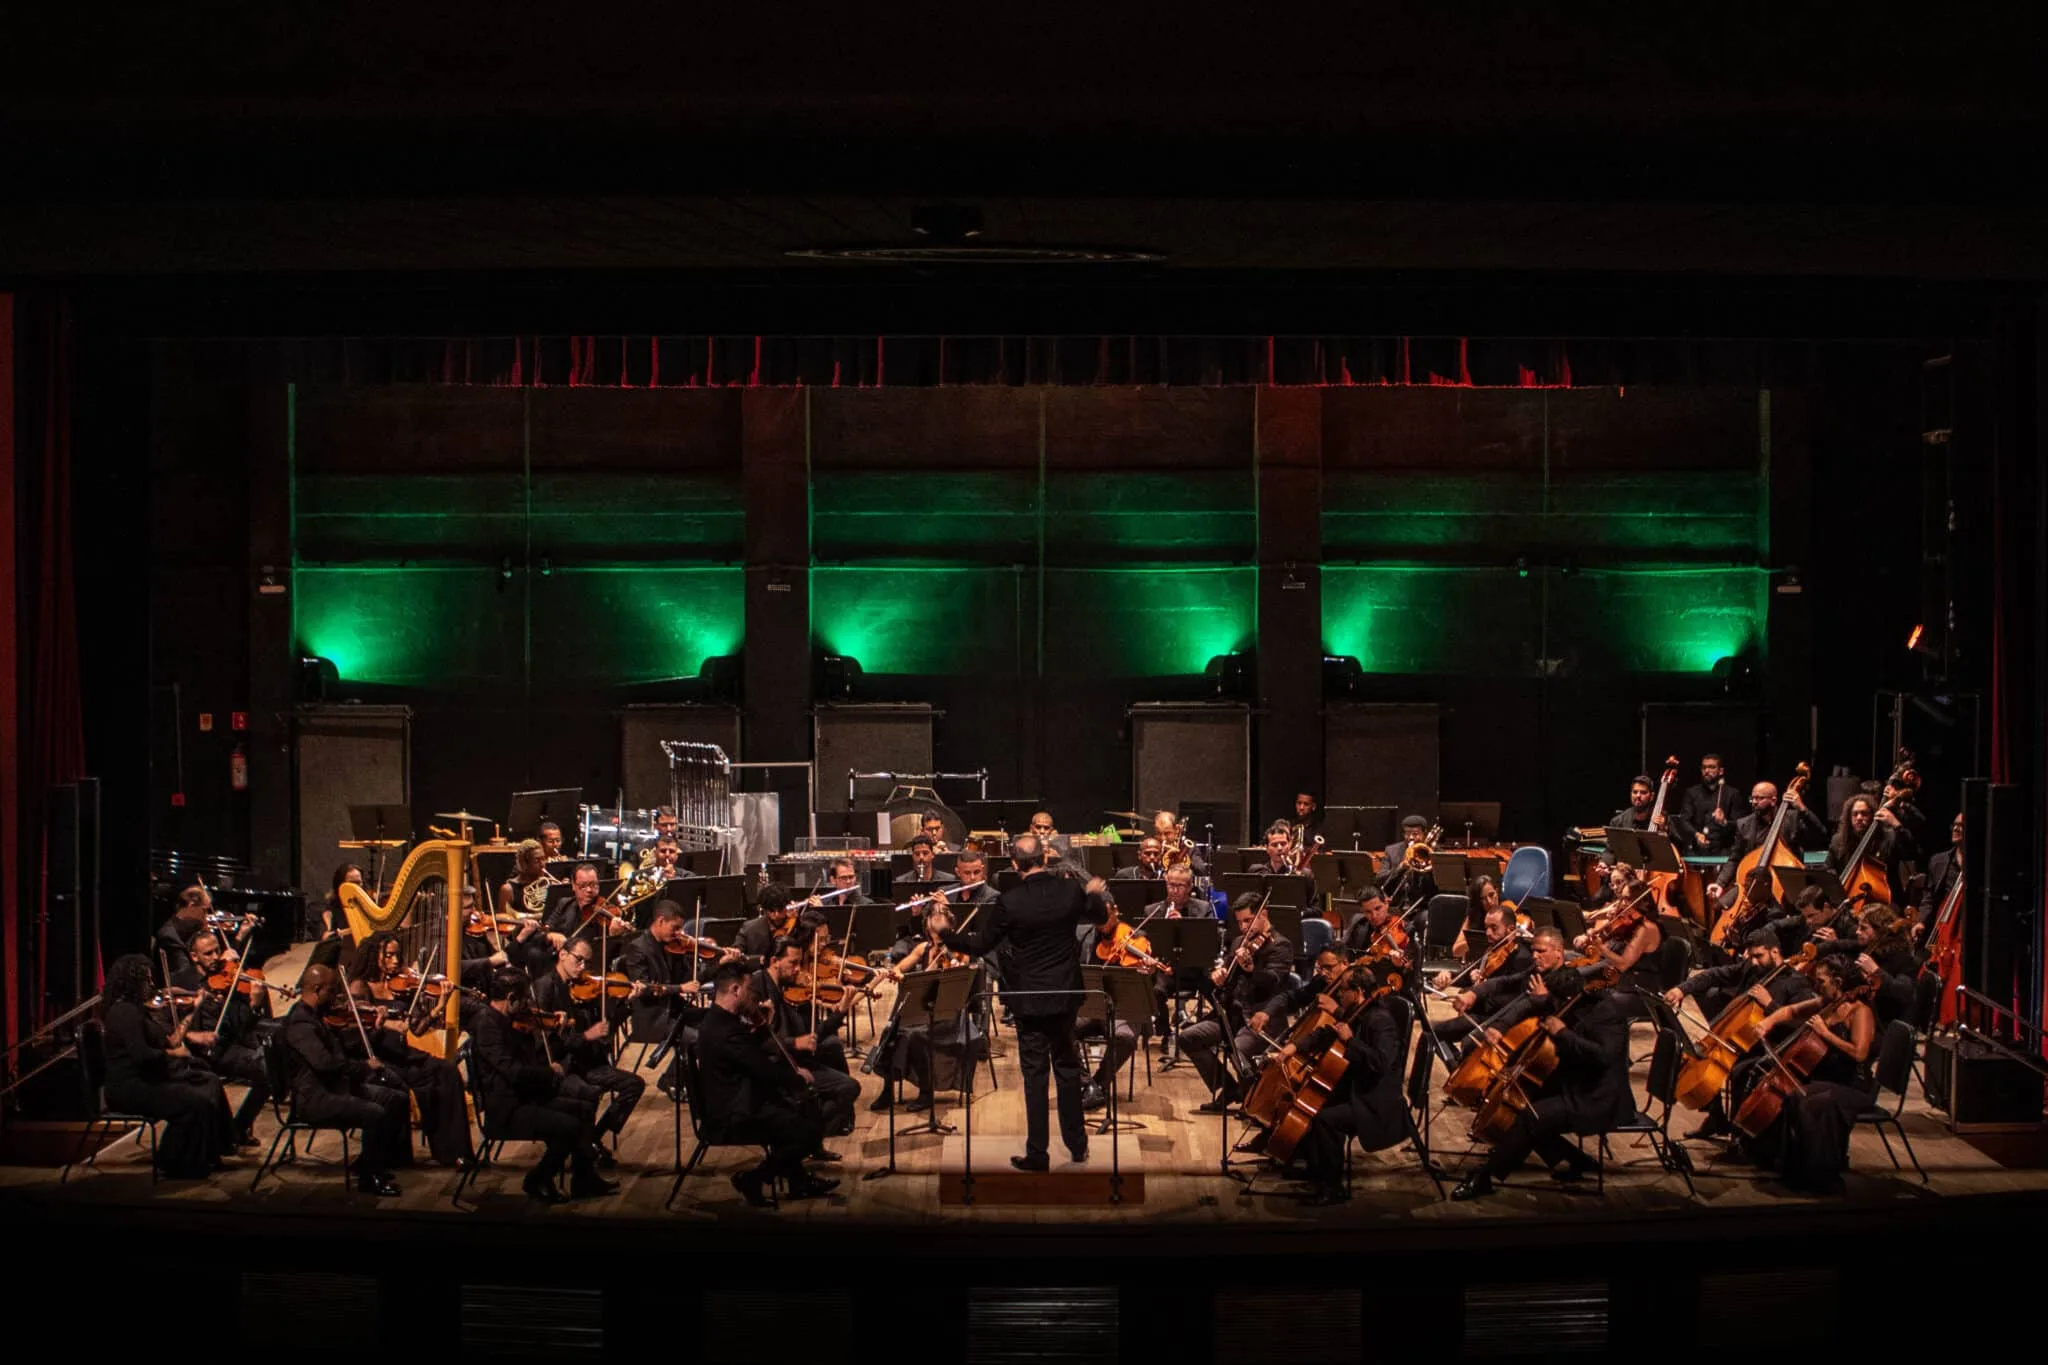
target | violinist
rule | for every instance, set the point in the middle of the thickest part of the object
(908, 1054)
(1812, 918)
(924, 871)
(1809, 1144)
(1252, 972)
(1507, 952)
(823, 1054)
(1709, 809)
(755, 1093)
(385, 999)
(223, 1029)
(174, 936)
(332, 1089)
(1619, 942)
(669, 982)
(1802, 831)
(1587, 1094)
(1113, 943)
(1367, 1103)
(1785, 994)
(1485, 897)
(777, 919)
(1503, 999)
(149, 1072)
(520, 1085)
(1369, 931)
(585, 1049)
(576, 914)
(1943, 870)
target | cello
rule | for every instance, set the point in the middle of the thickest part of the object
(1765, 1104)
(1738, 1029)
(1754, 880)
(1318, 1080)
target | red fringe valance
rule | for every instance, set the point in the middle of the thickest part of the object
(929, 361)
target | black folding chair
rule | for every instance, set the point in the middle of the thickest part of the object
(277, 1069)
(92, 1058)
(708, 1132)
(1441, 923)
(1894, 1073)
(1664, 1061)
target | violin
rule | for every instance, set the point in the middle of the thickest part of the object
(531, 1020)
(1126, 947)
(610, 986)
(480, 925)
(1497, 954)
(245, 985)
(682, 945)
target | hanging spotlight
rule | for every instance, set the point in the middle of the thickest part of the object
(1913, 640)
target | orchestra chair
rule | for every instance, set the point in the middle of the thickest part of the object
(1416, 1095)
(1441, 922)
(1663, 1085)
(92, 1059)
(1894, 1072)
(1132, 991)
(277, 1071)
(1315, 936)
(1527, 874)
(707, 1132)
(490, 1144)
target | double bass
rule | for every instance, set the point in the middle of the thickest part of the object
(1754, 880)
(1863, 876)
(1945, 954)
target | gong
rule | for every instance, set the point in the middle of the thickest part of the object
(907, 808)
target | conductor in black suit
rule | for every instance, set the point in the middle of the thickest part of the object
(1038, 918)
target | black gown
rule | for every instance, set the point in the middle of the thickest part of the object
(144, 1078)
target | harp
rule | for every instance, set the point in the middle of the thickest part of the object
(424, 910)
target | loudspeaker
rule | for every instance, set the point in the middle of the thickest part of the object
(642, 764)
(1381, 755)
(885, 737)
(1981, 1090)
(346, 756)
(1186, 756)
(1997, 915)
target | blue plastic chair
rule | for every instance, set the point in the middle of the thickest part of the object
(1527, 874)
(1315, 936)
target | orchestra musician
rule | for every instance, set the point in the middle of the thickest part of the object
(435, 1083)
(821, 1052)
(1308, 815)
(1786, 996)
(1942, 871)
(1252, 976)
(1587, 1094)
(933, 827)
(521, 1088)
(1709, 809)
(1642, 801)
(1039, 918)
(333, 921)
(664, 860)
(668, 998)
(1809, 1144)
(664, 823)
(1884, 956)
(1148, 868)
(753, 1092)
(1278, 858)
(572, 913)
(1180, 901)
(924, 871)
(1618, 955)
(174, 936)
(842, 874)
(1375, 913)
(1367, 1102)
(1046, 833)
(777, 919)
(909, 1054)
(1902, 793)
(1803, 830)
(1858, 814)
(1812, 917)
(149, 1072)
(223, 1029)
(529, 868)
(485, 949)
(329, 1087)
(550, 835)
(1503, 999)
(585, 1050)
(1417, 884)
(1485, 895)
(1113, 943)
(1176, 849)
(1502, 934)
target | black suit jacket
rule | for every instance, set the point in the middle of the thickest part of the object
(744, 1074)
(1379, 1108)
(322, 1068)
(1697, 809)
(1942, 870)
(1592, 1064)
(508, 1067)
(1803, 831)
(652, 1016)
(171, 937)
(1038, 918)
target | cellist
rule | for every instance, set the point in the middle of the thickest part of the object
(1786, 995)
(1588, 1093)
(1809, 1144)
(1367, 1103)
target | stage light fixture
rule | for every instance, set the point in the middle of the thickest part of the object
(1521, 567)
(1230, 675)
(319, 679)
(1913, 640)
(836, 677)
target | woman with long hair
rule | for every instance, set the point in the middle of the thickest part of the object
(148, 1073)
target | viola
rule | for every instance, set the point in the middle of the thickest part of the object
(530, 1020)
(245, 985)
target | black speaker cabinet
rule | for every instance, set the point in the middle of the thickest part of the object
(347, 755)
(642, 762)
(1979, 1088)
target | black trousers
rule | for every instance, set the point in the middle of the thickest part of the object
(436, 1086)
(1046, 1047)
(1539, 1129)
(1202, 1044)
(562, 1124)
(1116, 1054)
(244, 1065)
(593, 1082)
(384, 1115)
(789, 1134)
(193, 1109)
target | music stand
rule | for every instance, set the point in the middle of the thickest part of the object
(1012, 815)
(1125, 993)
(1132, 897)
(1453, 876)
(1479, 819)
(563, 805)
(1190, 946)
(1286, 921)
(1797, 879)
(1545, 912)
(705, 862)
(1355, 871)
(1215, 821)
(944, 1003)
(1649, 852)
(1571, 920)
(379, 827)
(1285, 889)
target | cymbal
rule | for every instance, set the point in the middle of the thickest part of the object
(1126, 814)
(459, 815)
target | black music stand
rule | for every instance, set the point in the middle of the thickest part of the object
(1124, 993)
(1647, 852)
(1132, 897)
(1796, 879)
(1190, 946)
(1213, 820)
(942, 1000)
(1479, 819)
(563, 805)
(1355, 870)
(1546, 912)
(379, 828)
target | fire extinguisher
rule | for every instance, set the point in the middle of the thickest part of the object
(238, 769)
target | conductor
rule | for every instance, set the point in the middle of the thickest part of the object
(1038, 918)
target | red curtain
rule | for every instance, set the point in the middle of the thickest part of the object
(10, 699)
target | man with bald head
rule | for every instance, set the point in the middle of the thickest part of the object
(1803, 830)
(332, 1089)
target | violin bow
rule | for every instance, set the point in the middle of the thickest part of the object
(369, 1053)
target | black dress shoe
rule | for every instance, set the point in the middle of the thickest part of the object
(1030, 1163)
(591, 1187)
(1094, 1097)
(749, 1184)
(884, 1102)
(921, 1105)
(542, 1190)
(1473, 1187)
(604, 1158)
(824, 1155)
(1574, 1169)
(247, 1138)
(1326, 1195)
(1218, 1105)
(1078, 1155)
(383, 1186)
(811, 1187)
(1712, 1128)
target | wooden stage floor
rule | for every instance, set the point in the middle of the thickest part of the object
(1177, 1150)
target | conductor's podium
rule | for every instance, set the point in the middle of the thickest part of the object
(1066, 1182)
